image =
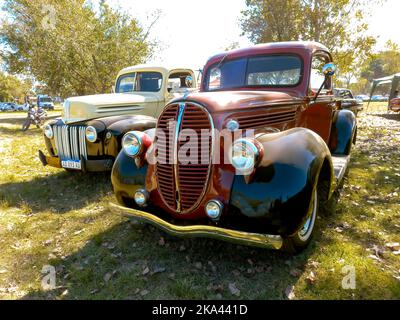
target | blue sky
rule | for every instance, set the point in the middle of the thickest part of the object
(191, 30)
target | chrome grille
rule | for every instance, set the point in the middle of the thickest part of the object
(260, 120)
(70, 142)
(183, 186)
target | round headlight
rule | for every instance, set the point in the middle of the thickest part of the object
(141, 197)
(244, 155)
(48, 131)
(214, 209)
(91, 134)
(132, 144)
(232, 125)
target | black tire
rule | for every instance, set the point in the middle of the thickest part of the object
(26, 125)
(299, 241)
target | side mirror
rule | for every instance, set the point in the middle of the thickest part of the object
(328, 70)
(189, 81)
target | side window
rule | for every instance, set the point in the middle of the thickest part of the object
(317, 77)
(180, 81)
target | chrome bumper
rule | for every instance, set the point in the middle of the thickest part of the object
(238, 237)
(87, 165)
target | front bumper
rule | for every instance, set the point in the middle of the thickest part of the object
(87, 165)
(202, 231)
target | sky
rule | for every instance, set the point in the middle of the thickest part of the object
(190, 31)
(194, 30)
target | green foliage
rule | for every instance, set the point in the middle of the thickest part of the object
(12, 88)
(339, 24)
(70, 46)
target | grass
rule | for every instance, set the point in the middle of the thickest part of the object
(51, 217)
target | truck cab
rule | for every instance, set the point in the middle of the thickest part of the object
(88, 135)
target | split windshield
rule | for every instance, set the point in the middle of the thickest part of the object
(260, 71)
(139, 81)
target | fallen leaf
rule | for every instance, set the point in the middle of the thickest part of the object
(108, 276)
(198, 265)
(289, 292)
(161, 242)
(144, 292)
(146, 271)
(311, 278)
(234, 290)
(394, 246)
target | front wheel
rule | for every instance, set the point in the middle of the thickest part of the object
(299, 241)
(26, 125)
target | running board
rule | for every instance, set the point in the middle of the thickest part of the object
(340, 164)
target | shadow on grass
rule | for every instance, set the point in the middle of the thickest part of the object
(113, 265)
(389, 116)
(59, 192)
(20, 120)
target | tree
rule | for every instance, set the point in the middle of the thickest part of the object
(339, 24)
(70, 46)
(12, 88)
(379, 65)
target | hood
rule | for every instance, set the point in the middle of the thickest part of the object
(232, 101)
(83, 108)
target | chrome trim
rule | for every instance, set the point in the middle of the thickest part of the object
(206, 184)
(221, 209)
(238, 237)
(181, 110)
(70, 142)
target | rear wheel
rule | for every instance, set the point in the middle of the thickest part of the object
(299, 241)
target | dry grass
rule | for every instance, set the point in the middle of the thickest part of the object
(51, 217)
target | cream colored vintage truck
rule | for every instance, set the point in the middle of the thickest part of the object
(88, 135)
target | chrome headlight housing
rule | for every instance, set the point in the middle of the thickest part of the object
(132, 144)
(214, 209)
(91, 134)
(48, 131)
(244, 155)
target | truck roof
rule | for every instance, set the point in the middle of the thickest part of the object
(274, 46)
(144, 67)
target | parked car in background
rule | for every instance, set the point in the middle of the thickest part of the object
(88, 136)
(377, 98)
(363, 97)
(45, 102)
(348, 101)
(394, 105)
(286, 146)
(8, 106)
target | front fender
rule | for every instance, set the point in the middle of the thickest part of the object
(126, 177)
(280, 190)
(344, 128)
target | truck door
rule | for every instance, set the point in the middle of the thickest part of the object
(319, 114)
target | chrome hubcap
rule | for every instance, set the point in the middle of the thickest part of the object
(306, 231)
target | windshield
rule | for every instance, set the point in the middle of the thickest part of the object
(262, 71)
(139, 81)
(45, 100)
